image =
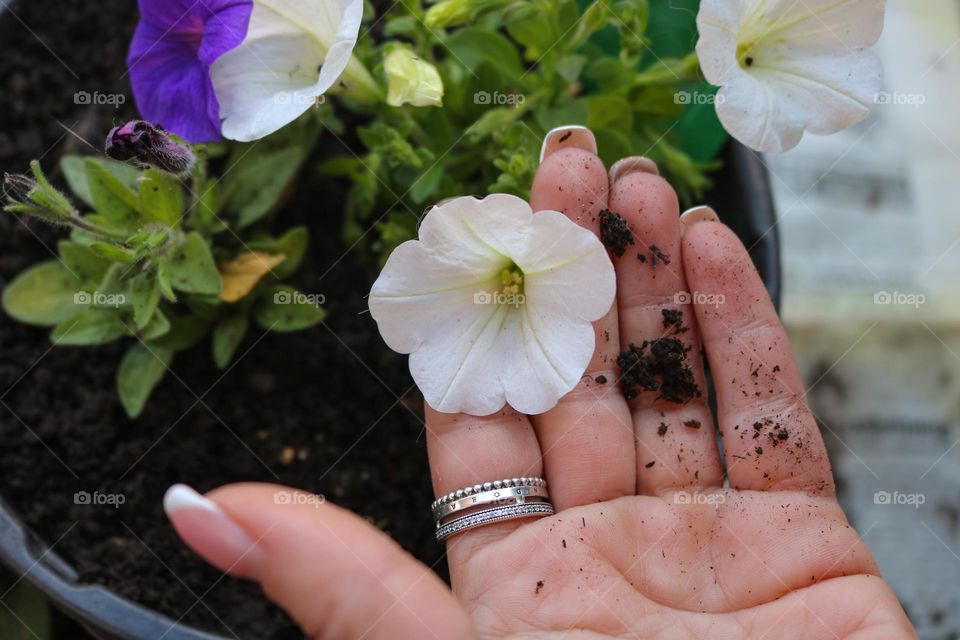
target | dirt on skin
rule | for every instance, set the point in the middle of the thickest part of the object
(614, 232)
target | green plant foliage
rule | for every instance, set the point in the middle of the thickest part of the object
(144, 259)
(512, 70)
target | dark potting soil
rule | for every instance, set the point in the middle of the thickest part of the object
(329, 410)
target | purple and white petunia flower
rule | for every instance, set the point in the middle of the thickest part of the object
(170, 56)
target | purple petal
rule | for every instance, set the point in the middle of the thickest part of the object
(171, 86)
(170, 57)
(225, 28)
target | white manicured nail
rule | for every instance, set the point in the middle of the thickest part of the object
(699, 214)
(180, 497)
(572, 136)
(633, 164)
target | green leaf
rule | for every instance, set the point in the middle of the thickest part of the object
(474, 45)
(256, 183)
(227, 336)
(426, 185)
(75, 171)
(114, 200)
(293, 246)
(140, 371)
(609, 75)
(283, 308)
(25, 614)
(192, 268)
(163, 280)
(157, 327)
(605, 111)
(90, 327)
(185, 331)
(42, 295)
(161, 197)
(82, 261)
(145, 295)
(112, 252)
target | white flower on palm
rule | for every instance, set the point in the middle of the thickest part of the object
(786, 66)
(494, 304)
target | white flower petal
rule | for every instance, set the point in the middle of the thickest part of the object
(294, 51)
(567, 270)
(471, 355)
(809, 69)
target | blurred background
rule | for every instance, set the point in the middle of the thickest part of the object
(869, 222)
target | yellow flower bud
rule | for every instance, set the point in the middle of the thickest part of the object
(412, 80)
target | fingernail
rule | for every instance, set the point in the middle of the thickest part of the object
(208, 530)
(572, 136)
(633, 164)
(699, 214)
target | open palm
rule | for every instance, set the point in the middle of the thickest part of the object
(646, 542)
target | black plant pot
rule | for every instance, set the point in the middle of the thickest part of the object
(742, 196)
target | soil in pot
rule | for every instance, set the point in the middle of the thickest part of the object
(329, 410)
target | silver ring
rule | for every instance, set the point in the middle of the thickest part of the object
(487, 486)
(517, 495)
(495, 514)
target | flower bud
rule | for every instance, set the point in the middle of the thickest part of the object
(36, 197)
(412, 80)
(448, 13)
(140, 143)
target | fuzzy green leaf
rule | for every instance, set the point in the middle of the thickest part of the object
(75, 171)
(163, 280)
(192, 268)
(292, 245)
(161, 197)
(42, 295)
(185, 331)
(256, 185)
(82, 261)
(114, 200)
(227, 336)
(157, 327)
(283, 308)
(473, 45)
(112, 252)
(145, 296)
(140, 371)
(89, 327)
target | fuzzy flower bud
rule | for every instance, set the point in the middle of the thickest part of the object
(140, 143)
(36, 197)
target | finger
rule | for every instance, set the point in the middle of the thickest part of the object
(676, 441)
(587, 439)
(303, 551)
(771, 440)
(466, 450)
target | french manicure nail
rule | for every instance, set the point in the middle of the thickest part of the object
(207, 529)
(572, 136)
(633, 164)
(699, 214)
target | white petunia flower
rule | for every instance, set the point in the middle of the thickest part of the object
(786, 66)
(494, 304)
(293, 53)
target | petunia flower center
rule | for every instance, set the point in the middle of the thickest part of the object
(511, 281)
(745, 54)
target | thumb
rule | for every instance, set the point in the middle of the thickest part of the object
(335, 574)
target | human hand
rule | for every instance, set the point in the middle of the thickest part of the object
(646, 542)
